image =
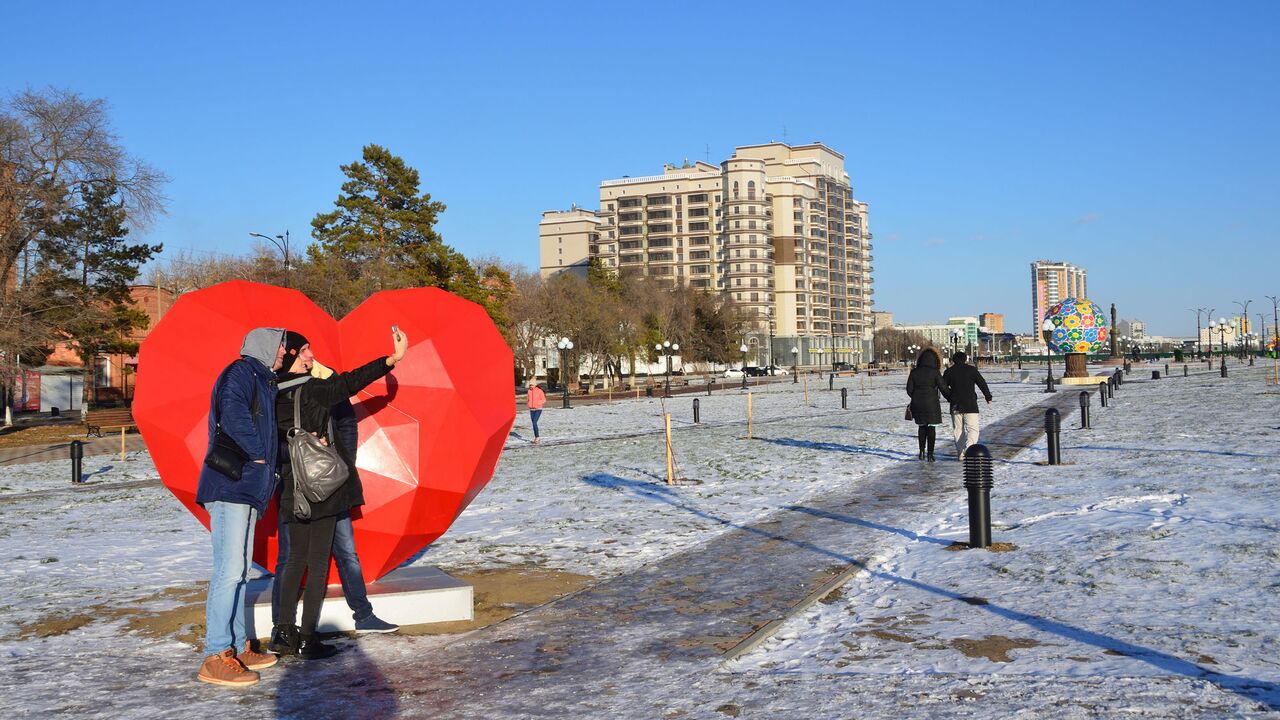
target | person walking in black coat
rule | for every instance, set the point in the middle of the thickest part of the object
(963, 378)
(923, 385)
(311, 538)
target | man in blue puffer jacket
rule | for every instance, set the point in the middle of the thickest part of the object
(244, 401)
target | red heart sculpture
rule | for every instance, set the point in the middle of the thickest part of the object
(430, 432)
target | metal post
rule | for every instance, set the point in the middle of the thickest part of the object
(1224, 366)
(1052, 430)
(844, 398)
(1084, 410)
(831, 381)
(1049, 383)
(977, 481)
(1185, 371)
(795, 374)
(710, 386)
(697, 416)
(1102, 394)
(77, 454)
(1155, 374)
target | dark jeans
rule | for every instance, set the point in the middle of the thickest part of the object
(349, 571)
(310, 547)
(533, 417)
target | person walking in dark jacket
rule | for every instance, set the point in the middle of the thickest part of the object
(923, 385)
(963, 378)
(243, 406)
(311, 538)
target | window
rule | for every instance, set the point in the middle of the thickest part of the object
(699, 240)
(660, 200)
(629, 217)
(629, 203)
(700, 255)
(698, 198)
(698, 227)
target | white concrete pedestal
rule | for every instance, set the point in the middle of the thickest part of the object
(408, 596)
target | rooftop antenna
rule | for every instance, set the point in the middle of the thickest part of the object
(784, 134)
(708, 153)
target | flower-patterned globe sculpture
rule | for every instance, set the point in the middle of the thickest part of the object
(430, 432)
(1079, 326)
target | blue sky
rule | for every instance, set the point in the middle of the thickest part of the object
(1137, 139)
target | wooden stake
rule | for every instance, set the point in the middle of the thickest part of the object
(671, 466)
(122, 443)
(862, 384)
(806, 389)
(748, 416)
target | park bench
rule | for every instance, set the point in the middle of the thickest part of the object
(103, 418)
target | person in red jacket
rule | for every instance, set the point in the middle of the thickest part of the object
(536, 400)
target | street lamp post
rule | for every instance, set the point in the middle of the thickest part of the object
(912, 350)
(1275, 321)
(795, 365)
(1244, 319)
(1046, 331)
(282, 244)
(565, 346)
(743, 349)
(668, 349)
(1221, 328)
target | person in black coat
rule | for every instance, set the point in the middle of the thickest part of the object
(924, 385)
(964, 381)
(311, 539)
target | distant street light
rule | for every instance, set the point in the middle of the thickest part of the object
(668, 349)
(565, 346)
(795, 365)
(1046, 331)
(743, 349)
(282, 244)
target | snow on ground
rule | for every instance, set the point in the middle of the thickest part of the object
(1152, 553)
(1143, 567)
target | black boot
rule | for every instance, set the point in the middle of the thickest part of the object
(284, 640)
(312, 649)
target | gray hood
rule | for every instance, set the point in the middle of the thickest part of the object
(262, 344)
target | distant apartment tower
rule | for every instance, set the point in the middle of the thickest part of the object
(775, 227)
(564, 241)
(992, 322)
(1051, 282)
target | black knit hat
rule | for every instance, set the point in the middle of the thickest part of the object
(293, 342)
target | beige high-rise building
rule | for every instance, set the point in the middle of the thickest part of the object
(1052, 282)
(992, 322)
(775, 227)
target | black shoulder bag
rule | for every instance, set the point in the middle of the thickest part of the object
(226, 456)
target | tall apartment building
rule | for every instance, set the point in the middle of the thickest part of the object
(775, 227)
(1051, 282)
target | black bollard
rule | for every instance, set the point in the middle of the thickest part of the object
(831, 381)
(1111, 387)
(1052, 431)
(1155, 374)
(77, 454)
(1166, 368)
(1185, 372)
(1084, 410)
(1224, 367)
(1049, 384)
(977, 480)
(844, 398)
(697, 417)
(1102, 393)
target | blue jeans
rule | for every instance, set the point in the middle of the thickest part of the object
(349, 571)
(232, 528)
(533, 417)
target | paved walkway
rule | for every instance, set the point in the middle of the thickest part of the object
(61, 451)
(674, 621)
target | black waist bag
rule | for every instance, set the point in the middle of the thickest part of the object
(226, 456)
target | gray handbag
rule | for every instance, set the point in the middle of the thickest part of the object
(318, 469)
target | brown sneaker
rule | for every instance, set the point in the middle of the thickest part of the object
(225, 669)
(255, 660)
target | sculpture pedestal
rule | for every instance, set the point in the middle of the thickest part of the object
(1086, 380)
(1076, 366)
(408, 596)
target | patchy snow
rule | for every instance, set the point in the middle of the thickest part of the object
(1144, 581)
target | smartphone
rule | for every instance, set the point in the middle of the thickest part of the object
(395, 329)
